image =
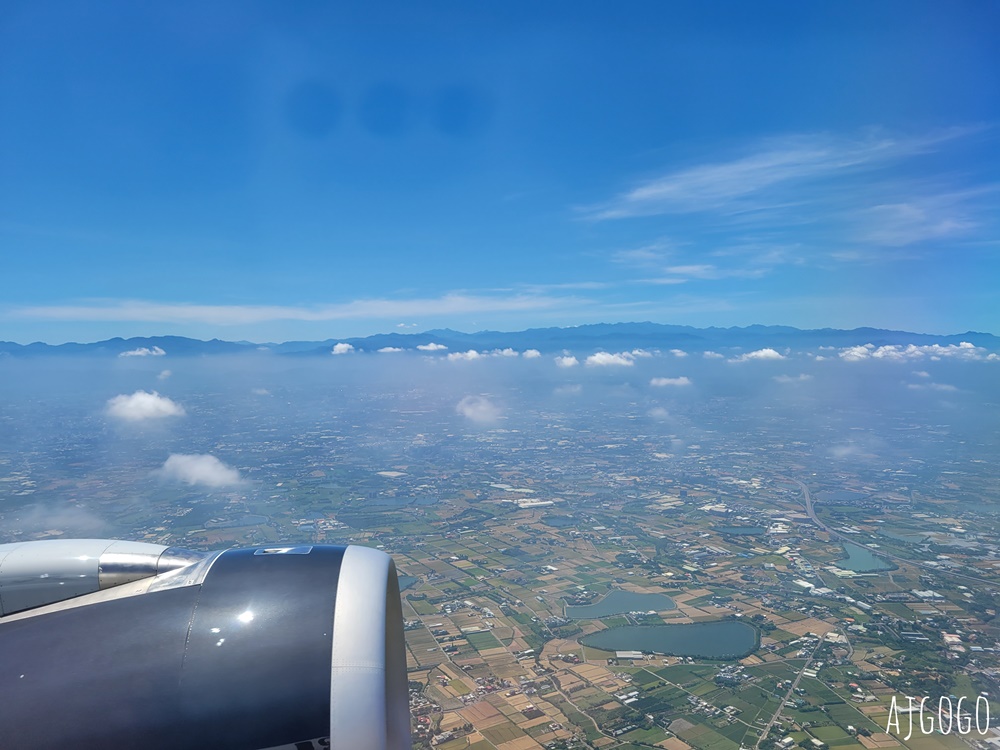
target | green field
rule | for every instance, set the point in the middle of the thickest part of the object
(502, 733)
(482, 641)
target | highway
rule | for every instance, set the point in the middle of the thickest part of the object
(811, 512)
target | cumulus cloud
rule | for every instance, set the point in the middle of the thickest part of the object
(431, 347)
(713, 355)
(911, 352)
(567, 361)
(758, 355)
(144, 352)
(342, 348)
(531, 354)
(606, 359)
(142, 405)
(680, 352)
(856, 353)
(663, 382)
(478, 409)
(466, 356)
(508, 352)
(164, 375)
(792, 378)
(641, 353)
(198, 468)
(389, 350)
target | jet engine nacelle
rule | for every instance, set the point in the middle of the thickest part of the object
(274, 647)
(36, 573)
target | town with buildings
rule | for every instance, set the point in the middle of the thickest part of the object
(581, 571)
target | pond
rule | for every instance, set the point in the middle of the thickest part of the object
(862, 560)
(723, 639)
(406, 581)
(619, 602)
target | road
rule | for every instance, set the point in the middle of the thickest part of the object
(791, 691)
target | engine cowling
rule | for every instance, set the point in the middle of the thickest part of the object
(33, 574)
(272, 647)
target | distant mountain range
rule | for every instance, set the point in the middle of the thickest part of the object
(600, 336)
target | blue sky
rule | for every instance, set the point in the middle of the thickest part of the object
(275, 171)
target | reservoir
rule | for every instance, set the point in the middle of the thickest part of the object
(724, 639)
(861, 560)
(406, 581)
(619, 602)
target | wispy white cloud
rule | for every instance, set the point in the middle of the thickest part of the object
(678, 353)
(899, 224)
(713, 355)
(165, 312)
(144, 352)
(777, 162)
(663, 281)
(647, 256)
(932, 387)
(342, 348)
(789, 379)
(164, 374)
(663, 382)
(703, 272)
(198, 469)
(922, 213)
(573, 389)
(260, 391)
(535, 289)
(141, 405)
(389, 350)
(478, 409)
(607, 359)
(73, 519)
